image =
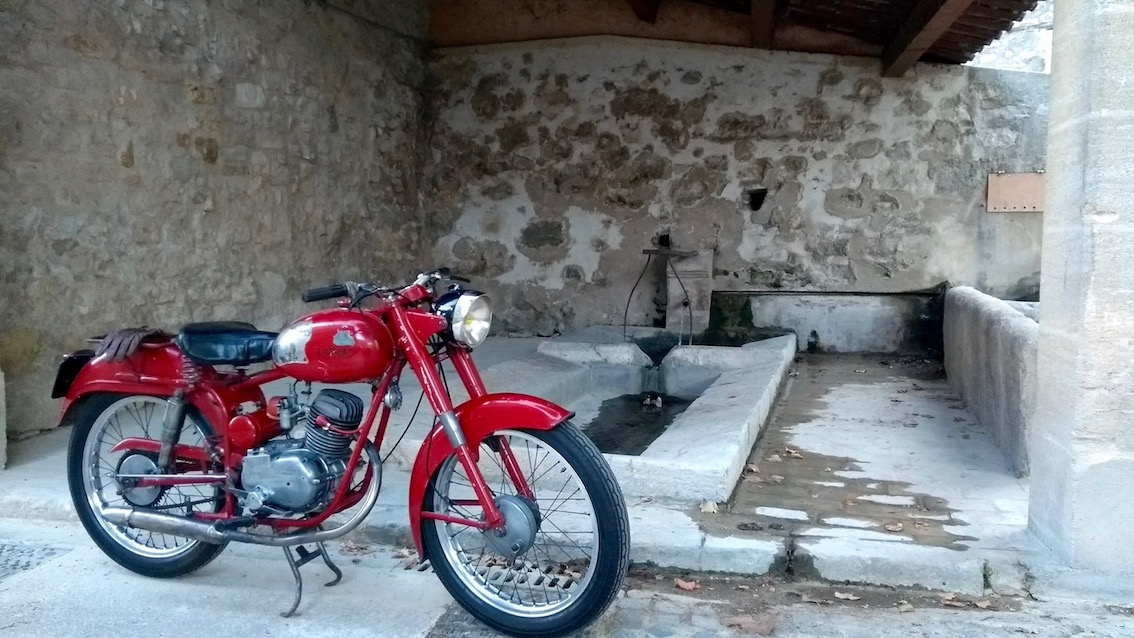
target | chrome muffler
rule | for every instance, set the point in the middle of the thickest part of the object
(210, 533)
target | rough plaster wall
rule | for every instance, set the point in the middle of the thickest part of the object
(552, 165)
(1024, 47)
(162, 162)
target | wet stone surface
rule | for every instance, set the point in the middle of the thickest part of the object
(912, 423)
(19, 558)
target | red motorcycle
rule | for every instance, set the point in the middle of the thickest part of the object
(171, 458)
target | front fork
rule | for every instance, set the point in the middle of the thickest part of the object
(424, 367)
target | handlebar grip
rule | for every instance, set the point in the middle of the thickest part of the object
(325, 292)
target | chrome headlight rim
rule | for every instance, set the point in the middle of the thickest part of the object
(459, 306)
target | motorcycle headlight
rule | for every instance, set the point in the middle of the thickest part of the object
(469, 314)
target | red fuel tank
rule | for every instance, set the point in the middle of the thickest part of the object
(334, 346)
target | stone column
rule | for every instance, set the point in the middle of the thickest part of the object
(1082, 469)
(696, 274)
(3, 425)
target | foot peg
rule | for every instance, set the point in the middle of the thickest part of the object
(231, 524)
(306, 556)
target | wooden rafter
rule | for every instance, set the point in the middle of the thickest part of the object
(763, 23)
(925, 24)
(646, 10)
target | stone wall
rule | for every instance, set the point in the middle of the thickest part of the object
(162, 162)
(990, 358)
(553, 164)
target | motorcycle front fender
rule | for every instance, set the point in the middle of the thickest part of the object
(479, 418)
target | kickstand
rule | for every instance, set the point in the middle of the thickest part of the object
(306, 556)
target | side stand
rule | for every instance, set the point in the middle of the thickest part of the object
(306, 556)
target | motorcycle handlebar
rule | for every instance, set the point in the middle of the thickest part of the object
(325, 292)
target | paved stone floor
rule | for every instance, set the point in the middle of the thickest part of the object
(876, 448)
(54, 582)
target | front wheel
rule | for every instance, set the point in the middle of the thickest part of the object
(563, 554)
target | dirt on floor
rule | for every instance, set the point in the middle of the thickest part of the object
(757, 598)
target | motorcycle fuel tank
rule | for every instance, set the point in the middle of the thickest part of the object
(334, 346)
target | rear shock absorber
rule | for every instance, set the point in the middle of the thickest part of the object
(175, 406)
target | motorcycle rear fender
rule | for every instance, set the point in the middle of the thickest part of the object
(156, 372)
(479, 418)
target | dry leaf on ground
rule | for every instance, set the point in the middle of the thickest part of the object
(815, 601)
(949, 596)
(827, 469)
(983, 604)
(905, 607)
(954, 603)
(351, 548)
(686, 585)
(775, 458)
(404, 552)
(894, 527)
(745, 587)
(790, 453)
(708, 507)
(776, 478)
(845, 596)
(751, 468)
(759, 624)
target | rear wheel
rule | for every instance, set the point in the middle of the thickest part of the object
(100, 422)
(563, 555)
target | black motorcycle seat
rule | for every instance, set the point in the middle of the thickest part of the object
(225, 343)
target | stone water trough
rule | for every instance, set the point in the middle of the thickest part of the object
(699, 456)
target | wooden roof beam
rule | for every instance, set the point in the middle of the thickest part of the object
(763, 23)
(646, 10)
(925, 24)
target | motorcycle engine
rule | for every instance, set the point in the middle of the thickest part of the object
(298, 476)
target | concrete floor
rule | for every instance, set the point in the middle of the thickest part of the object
(877, 449)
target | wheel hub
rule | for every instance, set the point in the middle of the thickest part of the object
(139, 496)
(520, 527)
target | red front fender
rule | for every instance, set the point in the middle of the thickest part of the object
(479, 418)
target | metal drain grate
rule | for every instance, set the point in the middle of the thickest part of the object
(19, 558)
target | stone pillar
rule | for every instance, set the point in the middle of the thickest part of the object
(1082, 468)
(3, 425)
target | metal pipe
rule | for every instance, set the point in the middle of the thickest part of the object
(207, 532)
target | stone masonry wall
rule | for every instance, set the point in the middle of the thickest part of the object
(552, 165)
(162, 162)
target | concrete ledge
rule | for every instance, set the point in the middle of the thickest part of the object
(894, 564)
(701, 455)
(990, 359)
(3, 425)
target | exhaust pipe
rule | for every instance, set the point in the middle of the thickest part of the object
(209, 533)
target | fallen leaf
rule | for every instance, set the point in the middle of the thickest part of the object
(815, 601)
(686, 585)
(404, 552)
(949, 596)
(827, 469)
(793, 373)
(905, 607)
(894, 527)
(954, 603)
(760, 625)
(910, 424)
(845, 596)
(775, 458)
(745, 587)
(708, 507)
(776, 478)
(860, 371)
(752, 468)
(920, 524)
(749, 527)
(790, 453)
(983, 604)
(351, 548)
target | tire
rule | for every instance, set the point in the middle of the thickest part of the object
(538, 571)
(137, 550)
